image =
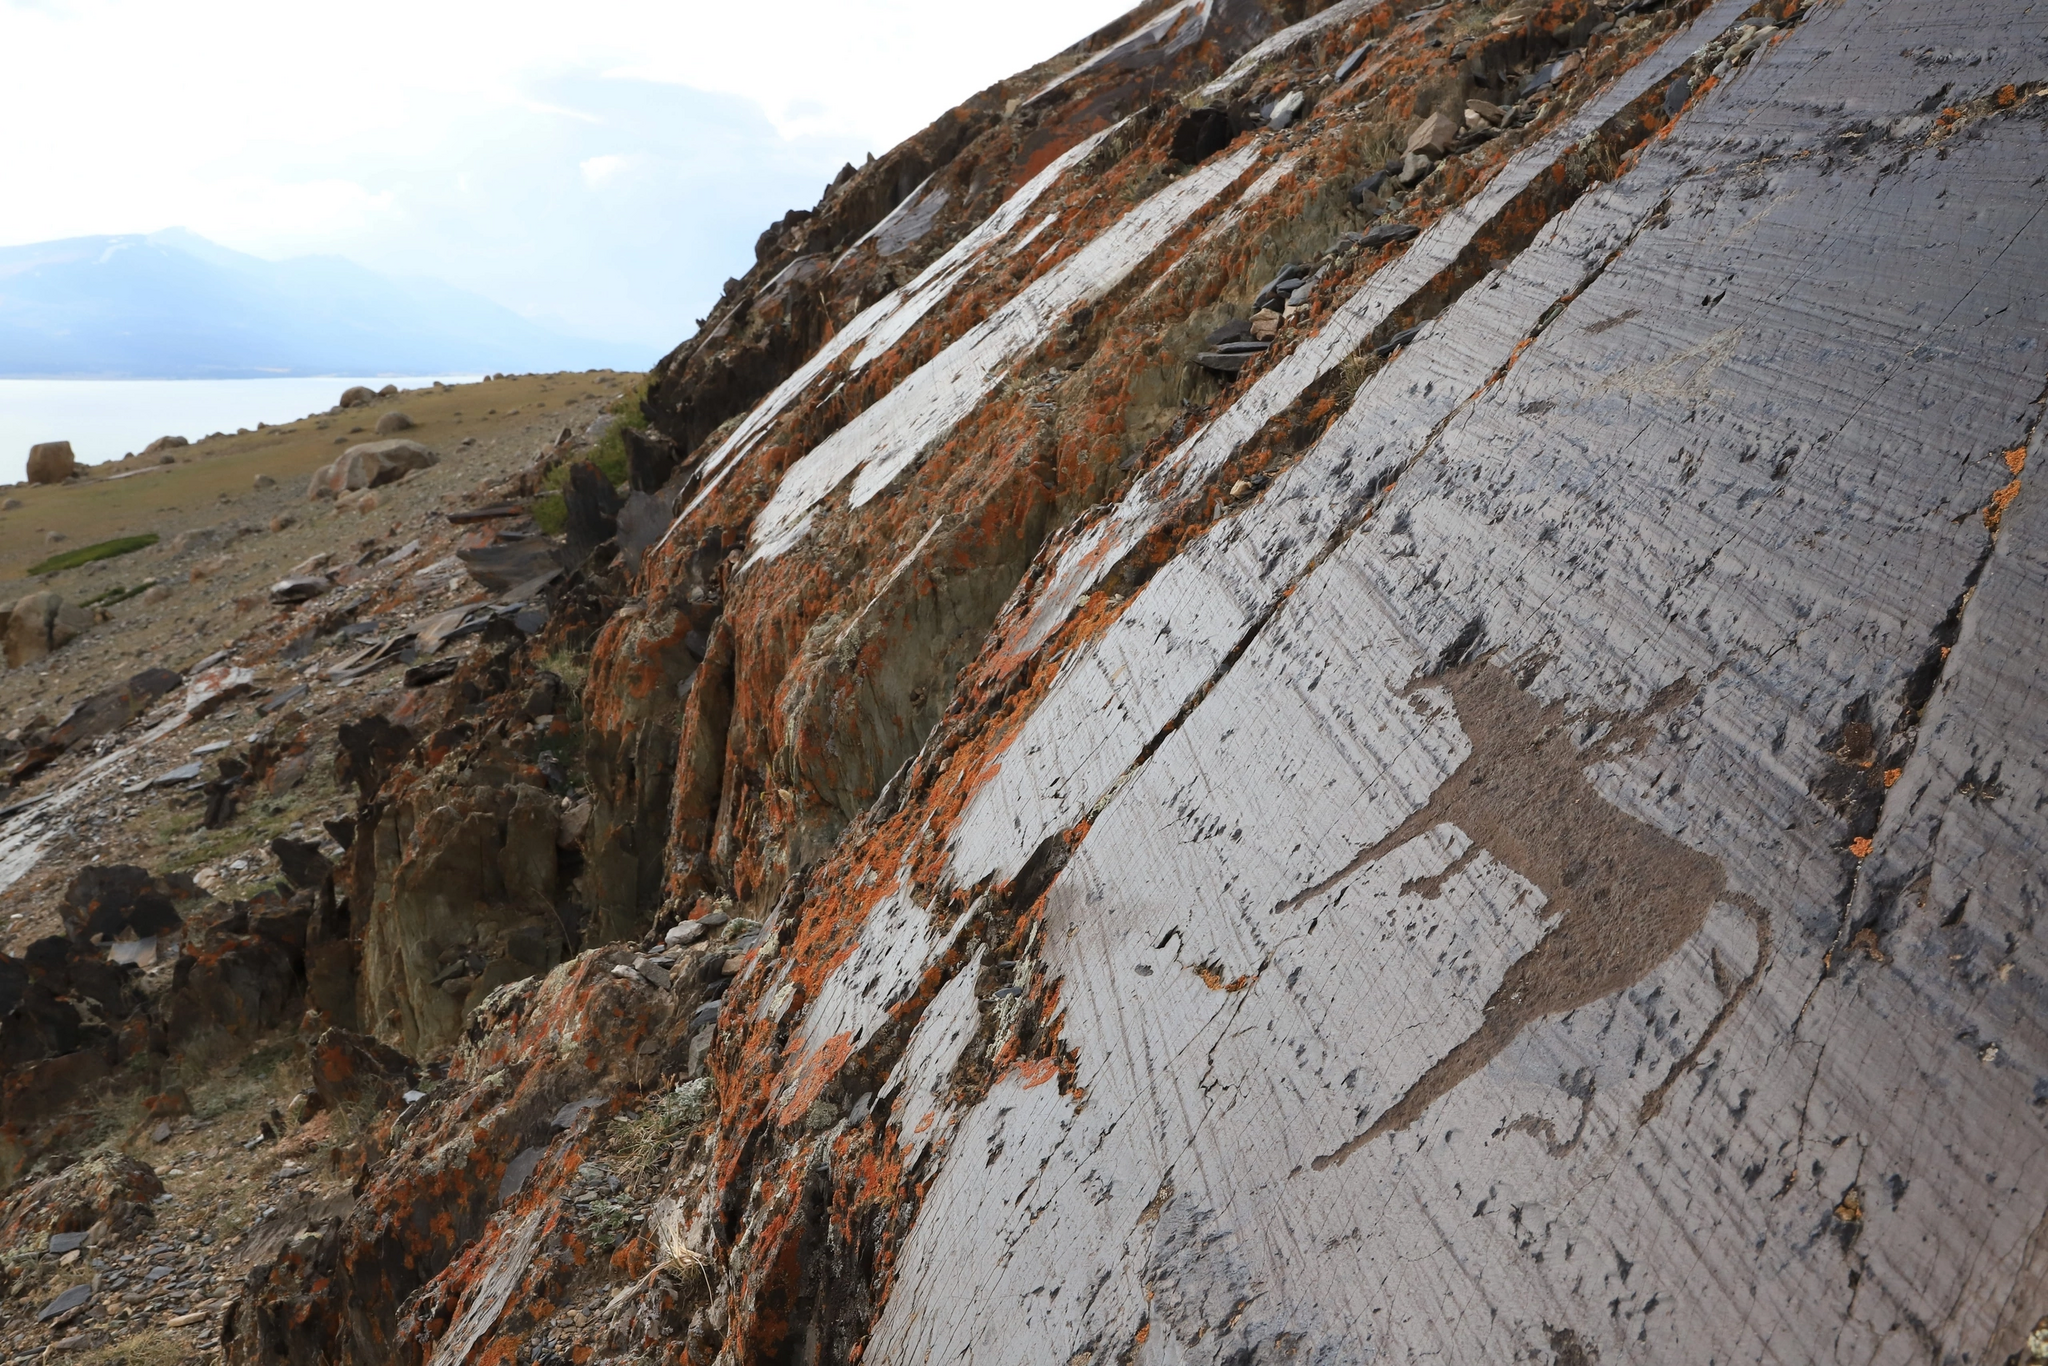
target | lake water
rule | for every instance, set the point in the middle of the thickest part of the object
(106, 419)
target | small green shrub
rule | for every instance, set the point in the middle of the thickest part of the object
(86, 554)
(549, 512)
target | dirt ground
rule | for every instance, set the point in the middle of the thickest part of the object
(234, 517)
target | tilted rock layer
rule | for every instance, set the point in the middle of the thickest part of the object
(1506, 829)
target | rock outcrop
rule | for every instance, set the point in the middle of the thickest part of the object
(1494, 816)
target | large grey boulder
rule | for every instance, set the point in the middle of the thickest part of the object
(51, 462)
(358, 395)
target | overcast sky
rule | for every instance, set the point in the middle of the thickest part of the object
(603, 165)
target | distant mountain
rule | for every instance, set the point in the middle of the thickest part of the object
(172, 305)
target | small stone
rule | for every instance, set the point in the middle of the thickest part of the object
(284, 521)
(55, 538)
(184, 773)
(1492, 115)
(1237, 329)
(1368, 188)
(65, 1303)
(1265, 324)
(1240, 489)
(459, 987)
(9, 504)
(1384, 234)
(1414, 167)
(61, 1243)
(1287, 109)
(393, 422)
(292, 591)
(264, 481)
(685, 934)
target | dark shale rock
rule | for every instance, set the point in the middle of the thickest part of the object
(593, 510)
(1201, 134)
(651, 459)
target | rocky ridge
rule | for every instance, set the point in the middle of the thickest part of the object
(1308, 686)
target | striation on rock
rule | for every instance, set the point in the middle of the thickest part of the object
(1499, 825)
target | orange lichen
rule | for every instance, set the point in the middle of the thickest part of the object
(1891, 775)
(1994, 511)
(1860, 846)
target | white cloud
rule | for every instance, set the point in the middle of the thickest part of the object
(598, 170)
(607, 165)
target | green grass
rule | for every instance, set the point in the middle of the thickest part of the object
(86, 554)
(550, 512)
(119, 595)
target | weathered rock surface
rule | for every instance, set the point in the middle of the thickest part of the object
(51, 462)
(1503, 827)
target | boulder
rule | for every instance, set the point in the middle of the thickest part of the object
(304, 588)
(369, 466)
(106, 1185)
(165, 443)
(593, 510)
(352, 1069)
(41, 623)
(110, 900)
(51, 462)
(1433, 136)
(1201, 134)
(650, 459)
(393, 422)
(357, 396)
(508, 564)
